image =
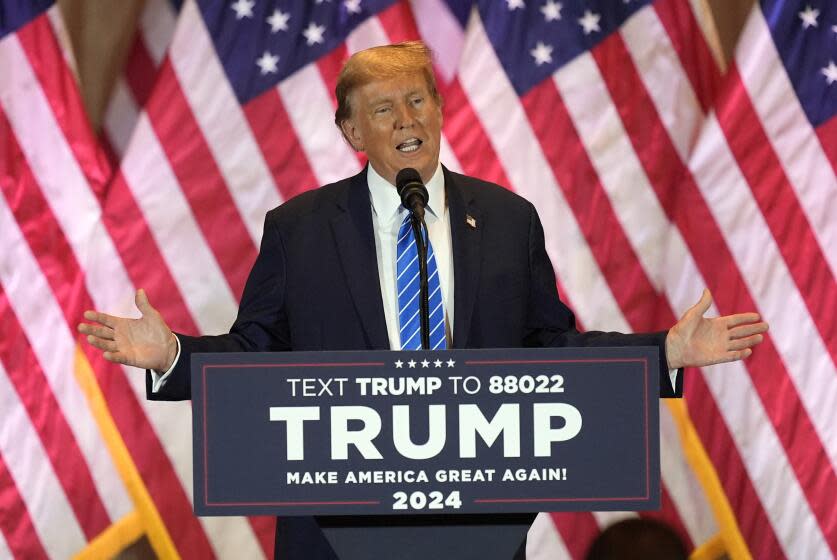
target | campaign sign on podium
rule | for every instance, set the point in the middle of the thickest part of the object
(456, 431)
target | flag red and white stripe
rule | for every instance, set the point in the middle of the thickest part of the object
(59, 486)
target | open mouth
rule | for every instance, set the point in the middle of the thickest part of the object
(408, 146)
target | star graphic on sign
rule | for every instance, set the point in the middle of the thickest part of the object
(438, 363)
(278, 21)
(451, 363)
(830, 72)
(411, 363)
(314, 33)
(590, 22)
(542, 53)
(809, 17)
(267, 63)
(352, 6)
(551, 10)
(425, 363)
(243, 8)
(515, 4)
(399, 364)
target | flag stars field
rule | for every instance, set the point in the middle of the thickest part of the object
(278, 21)
(551, 10)
(243, 8)
(590, 22)
(313, 34)
(830, 72)
(542, 53)
(515, 4)
(809, 17)
(267, 63)
(352, 6)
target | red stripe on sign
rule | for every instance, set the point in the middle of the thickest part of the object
(143, 261)
(779, 205)
(140, 71)
(59, 86)
(279, 144)
(577, 530)
(46, 416)
(15, 521)
(725, 455)
(690, 44)
(462, 127)
(200, 179)
(684, 204)
(827, 134)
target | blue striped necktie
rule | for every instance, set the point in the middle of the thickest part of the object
(408, 292)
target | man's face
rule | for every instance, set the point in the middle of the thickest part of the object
(398, 124)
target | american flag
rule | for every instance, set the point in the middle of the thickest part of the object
(133, 86)
(64, 471)
(653, 176)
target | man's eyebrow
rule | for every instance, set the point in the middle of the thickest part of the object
(387, 98)
(380, 99)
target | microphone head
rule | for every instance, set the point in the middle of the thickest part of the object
(411, 189)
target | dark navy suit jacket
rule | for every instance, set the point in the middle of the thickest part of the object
(315, 286)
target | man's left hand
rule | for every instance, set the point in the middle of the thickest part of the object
(697, 341)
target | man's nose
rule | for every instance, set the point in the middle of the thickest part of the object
(404, 117)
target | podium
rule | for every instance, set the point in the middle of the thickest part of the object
(426, 454)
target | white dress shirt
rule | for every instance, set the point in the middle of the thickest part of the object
(387, 215)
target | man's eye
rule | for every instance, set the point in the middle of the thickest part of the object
(381, 110)
(418, 100)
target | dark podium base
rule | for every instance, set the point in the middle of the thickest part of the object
(442, 537)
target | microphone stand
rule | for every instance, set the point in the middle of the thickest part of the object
(418, 225)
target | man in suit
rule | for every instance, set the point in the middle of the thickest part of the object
(327, 277)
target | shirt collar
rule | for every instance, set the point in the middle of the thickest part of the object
(387, 204)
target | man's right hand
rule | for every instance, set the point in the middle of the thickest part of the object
(146, 343)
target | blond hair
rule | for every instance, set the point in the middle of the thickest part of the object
(378, 63)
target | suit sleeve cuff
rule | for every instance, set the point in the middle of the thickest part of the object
(672, 375)
(159, 379)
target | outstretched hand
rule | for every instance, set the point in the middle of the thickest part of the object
(146, 342)
(697, 341)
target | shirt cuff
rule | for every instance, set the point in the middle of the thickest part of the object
(158, 380)
(672, 373)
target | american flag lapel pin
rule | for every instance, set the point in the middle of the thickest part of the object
(471, 221)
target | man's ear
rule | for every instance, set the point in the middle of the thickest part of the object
(352, 134)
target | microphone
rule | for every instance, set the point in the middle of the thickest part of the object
(412, 191)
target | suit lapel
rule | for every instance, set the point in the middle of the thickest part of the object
(355, 241)
(466, 235)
